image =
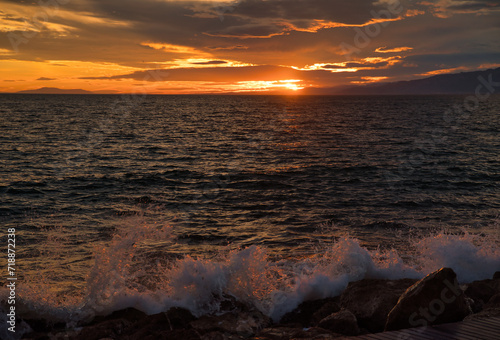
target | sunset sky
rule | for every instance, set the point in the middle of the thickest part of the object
(268, 46)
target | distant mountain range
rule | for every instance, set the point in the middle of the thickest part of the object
(456, 83)
(55, 90)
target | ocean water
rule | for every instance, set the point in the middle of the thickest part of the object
(160, 201)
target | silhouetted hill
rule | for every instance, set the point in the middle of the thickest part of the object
(55, 90)
(456, 83)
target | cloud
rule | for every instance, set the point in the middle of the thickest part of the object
(211, 62)
(45, 78)
(275, 39)
(393, 50)
(446, 9)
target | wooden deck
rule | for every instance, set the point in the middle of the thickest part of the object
(479, 329)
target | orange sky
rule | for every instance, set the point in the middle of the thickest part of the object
(257, 46)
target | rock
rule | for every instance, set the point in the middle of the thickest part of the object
(485, 313)
(241, 323)
(493, 302)
(115, 328)
(129, 314)
(160, 324)
(277, 333)
(179, 317)
(311, 312)
(480, 292)
(229, 303)
(286, 333)
(316, 333)
(491, 309)
(331, 305)
(371, 300)
(44, 326)
(343, 322)
(496, 276)
(435, 299)
(184, 334)
(218, 336)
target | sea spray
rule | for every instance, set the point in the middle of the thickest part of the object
(135, 269)
(472, 257)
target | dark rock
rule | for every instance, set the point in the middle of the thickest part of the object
(129, 314)
(371, 300)
(480, 292)
(496, 276)
(240, 323)
(286, 333)
(490, 309)
(219, 336)
(37, 336)
(184, 334)
(277, 333)
(493, 302)
(44, 326)
(331, 305)
(343, 322)
(161, 323)
(63, 335)
(316, 333)
(107, 329)
(229, 303)
(485, 313)
(311, 312)
(435, 299)
(179, 317)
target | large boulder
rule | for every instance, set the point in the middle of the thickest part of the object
(114, 328)
(309, 313)
(371, 300)
(155, 325)
(435, 299)
(129, 314)
(244, 324)
(342, 322)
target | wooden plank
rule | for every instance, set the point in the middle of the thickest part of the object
(419, 336)
(364, 337)
(462, 331)
(475, 329)
(479, 327)
(375, 336)
(493, 324)
(429, 333)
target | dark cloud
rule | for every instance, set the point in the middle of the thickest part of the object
(349, 12)
(211, 62)
(471, 5)
(213, 74)
(45, 78)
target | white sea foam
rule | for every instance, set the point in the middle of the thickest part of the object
(120, 277)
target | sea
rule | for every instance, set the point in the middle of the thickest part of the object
(152, 201)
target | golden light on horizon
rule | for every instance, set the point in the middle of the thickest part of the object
(288, 84)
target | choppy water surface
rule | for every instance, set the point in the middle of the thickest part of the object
(90, 182)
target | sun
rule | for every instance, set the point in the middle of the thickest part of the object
(263, 86)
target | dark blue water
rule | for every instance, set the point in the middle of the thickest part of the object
(274, 171)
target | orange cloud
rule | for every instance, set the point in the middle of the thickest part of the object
(443, 71)
(393, 50)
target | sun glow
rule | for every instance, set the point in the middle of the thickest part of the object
(289, 84)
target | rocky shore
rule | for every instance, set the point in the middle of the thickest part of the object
(366, 306)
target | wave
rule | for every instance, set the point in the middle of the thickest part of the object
(133, 271)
